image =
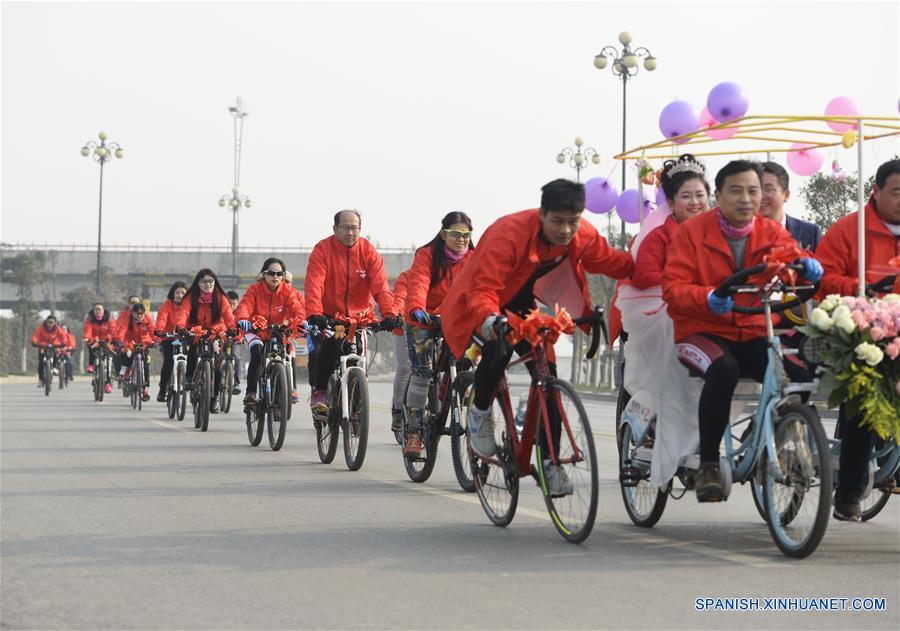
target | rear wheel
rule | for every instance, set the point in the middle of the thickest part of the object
(278, 402)
(644, 502)
(873, 504)
(804, 481)
(227, 387)
(461, 393)
(327, 433)
(356, 427)
(573, 513)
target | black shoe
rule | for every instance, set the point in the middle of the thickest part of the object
(250, 399)
(214, 405)
(707, 483)
(396, 421)
(161, 397)
(846, 509)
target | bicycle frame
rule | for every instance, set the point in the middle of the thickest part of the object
(358, 353)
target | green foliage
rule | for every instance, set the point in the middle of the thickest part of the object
(827, 199)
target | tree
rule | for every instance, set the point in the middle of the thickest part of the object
(26, 270)
(827, 198)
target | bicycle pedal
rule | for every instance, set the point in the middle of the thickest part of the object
(630, 476)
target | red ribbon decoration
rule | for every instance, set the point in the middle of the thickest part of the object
(776, 264)
(363, 320)
(259, 323)
(537, 324)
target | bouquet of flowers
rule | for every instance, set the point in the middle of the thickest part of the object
(862, 358)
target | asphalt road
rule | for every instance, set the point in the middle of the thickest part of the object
(118, 519)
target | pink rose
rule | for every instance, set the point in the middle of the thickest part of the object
(860, 319)
(892, 350)
(877, 333)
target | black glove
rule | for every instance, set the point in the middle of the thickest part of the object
(318, 321)
(883, 286)
(391, 322)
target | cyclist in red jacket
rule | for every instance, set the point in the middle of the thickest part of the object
(138, 330)
(47, 334)
(98, 326)
(166, 320)
(67, 351)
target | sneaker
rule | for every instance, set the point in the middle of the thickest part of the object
(846, 509)
(396, 420)
(295, 396)
(236, 390)
(318, 402)
(145, 395)
(214, 405)
(413, 447)
(90, 369)
(107, 388)
(161, 397)
(55, 372)
(708, 484)
(558, 483)
(481, 432)
(250, 399)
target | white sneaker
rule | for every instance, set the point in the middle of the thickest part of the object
(56, 372)
(558, 483)
(481, 432)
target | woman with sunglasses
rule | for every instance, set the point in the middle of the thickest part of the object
(435, 266)
(275, 300)
(205, 304)
(166, 319)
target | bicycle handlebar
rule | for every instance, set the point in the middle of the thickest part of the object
(735, 282)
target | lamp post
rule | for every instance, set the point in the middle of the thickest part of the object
(235, 200)
(577, 159)
(625, 65)
(101, 153)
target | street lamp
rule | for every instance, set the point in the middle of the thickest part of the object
(101, 153)
(625, 64)
(235, 201)
(577, 159)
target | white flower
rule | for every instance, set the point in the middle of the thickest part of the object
(841, 312)
(831, 302)
(892, 299)
(869, 353)
(847, 325)
(820, 320)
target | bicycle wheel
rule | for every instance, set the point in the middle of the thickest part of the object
(277, 402)
(497, 479)
(48, 379)
(171, 398)
(204, 390)
(290, 388)
(573, 514)
(62, 376)
(356, 427)
(95, 385)
(462, 392)
(644, 502)
(872, 505)
(138, 377)
(227, 387)
(804, 458)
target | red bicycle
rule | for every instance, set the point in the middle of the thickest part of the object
(555, 425)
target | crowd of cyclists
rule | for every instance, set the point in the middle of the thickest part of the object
(529, 258)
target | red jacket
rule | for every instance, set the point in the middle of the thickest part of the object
(43, 336)
(137, 334)
(651, 258)
(105, 330)
(507, 257)
(838, 252)
(70, 341)
(284, 303)
(699, 260)
(125, 315)
(421, 294)
(400, 287)
(204, 313)
(167, 316)
(342, 280)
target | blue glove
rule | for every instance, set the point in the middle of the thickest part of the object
(719, 306)
(812, 269)
(421, 317)
(244, 325)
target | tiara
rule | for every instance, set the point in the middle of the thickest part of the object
(691, 166)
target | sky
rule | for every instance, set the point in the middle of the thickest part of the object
(405, 111)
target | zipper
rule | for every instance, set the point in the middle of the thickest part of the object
(347, 288)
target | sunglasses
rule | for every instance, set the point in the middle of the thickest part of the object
(275, 273)
(206, 280)
(459, 234)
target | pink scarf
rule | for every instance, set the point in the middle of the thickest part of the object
(455, 257)
(206, 297)
(730, 230)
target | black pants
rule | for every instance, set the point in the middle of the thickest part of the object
(721, 378)
(127, 360)
(856, 448)
(40, 364)
(192, 366)
(322, 361)
(253, 368)
(168, 362)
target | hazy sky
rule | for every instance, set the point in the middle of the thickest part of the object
(402, 110)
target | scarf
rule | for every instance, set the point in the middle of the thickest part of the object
(206, 297)
(455, 257)
(731, 231)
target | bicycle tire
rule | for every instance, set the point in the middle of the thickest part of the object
(62, 376)
(95, 383)
(181, 395)
(356, 427)
(420, 469)
(227, 387)
(880, 500)
(792, 450)
(496, 483)
(290, 387)
(462, 392)
(138, 376)
(656, 498)
(567, 511)
(327, 434)
(276, 405)
(205, 388)
(171, 397)
(48, 379)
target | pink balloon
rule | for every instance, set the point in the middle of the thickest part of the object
(677, 118)
(804, 160)
(707, 121)
(600, 195)
(629, 208)
(727, 101)
(841, 106)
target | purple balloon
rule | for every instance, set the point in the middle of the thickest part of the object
(660, 197)
(727, 102)
(677, 118)
(629, 208)
(600, 195)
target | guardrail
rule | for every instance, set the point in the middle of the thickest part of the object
(174, 247)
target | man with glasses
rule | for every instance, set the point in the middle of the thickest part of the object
(775, 192)
(839, 254)
(343, 275)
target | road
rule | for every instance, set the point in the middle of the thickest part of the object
(118, 519)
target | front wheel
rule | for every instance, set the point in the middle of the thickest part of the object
(644, 502)
(277, 405)
(180, 393)
(800, 484)
(572, 501)
(48, 378)
(356, 427)
(227, 387)
(202, 392)
(462, 392)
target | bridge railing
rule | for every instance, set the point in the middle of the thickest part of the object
(172, 247)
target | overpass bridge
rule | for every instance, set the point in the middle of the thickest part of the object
(151, 269)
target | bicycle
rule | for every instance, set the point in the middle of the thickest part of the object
(102, 361)
(783, 447)
(446, 390)
(347, 393)
(176, 394)
(273, 403)
(137, 380)
(49, 362)
(201, 392)
(226, 372)
(567, 438)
